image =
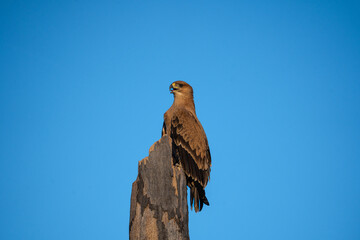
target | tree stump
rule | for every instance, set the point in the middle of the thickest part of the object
(159, 208)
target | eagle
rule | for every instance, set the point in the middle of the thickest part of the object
(190, 148)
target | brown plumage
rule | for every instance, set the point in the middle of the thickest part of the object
(190, 147)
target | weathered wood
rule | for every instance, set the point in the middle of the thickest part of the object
(159, 208)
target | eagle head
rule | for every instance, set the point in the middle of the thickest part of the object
(181, 88)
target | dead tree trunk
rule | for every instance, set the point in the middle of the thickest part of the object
(159, 207)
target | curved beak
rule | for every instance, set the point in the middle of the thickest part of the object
(171, 88)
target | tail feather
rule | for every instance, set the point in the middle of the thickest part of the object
(197, 196)
(196, 200)
(191, 196)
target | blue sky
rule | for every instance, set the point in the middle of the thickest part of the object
(83, 89)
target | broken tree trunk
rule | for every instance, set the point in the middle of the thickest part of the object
(159, 207)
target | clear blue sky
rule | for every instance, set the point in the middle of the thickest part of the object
(83, 89)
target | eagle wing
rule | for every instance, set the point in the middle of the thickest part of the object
(191, 149)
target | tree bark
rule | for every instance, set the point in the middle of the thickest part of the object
(159, 208)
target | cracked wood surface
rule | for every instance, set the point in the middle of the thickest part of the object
(159, 207)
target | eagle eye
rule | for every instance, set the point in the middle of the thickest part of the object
(181, 85)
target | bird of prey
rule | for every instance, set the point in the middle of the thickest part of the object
(190, 146)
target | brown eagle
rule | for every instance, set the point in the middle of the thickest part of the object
(190, 147)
